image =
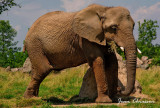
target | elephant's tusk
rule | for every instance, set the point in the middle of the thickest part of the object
(122, 48)
(139, 51)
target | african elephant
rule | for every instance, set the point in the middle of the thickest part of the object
(59, 40)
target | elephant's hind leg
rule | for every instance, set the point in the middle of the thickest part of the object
(40, 69)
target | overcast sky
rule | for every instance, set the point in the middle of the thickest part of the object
(22, 18)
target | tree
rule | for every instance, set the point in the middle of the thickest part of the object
(8, 51)
(6, 4)
(7, 47)
(148, 33)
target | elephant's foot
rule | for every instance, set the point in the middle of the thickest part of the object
(30, 93)
(103, 99)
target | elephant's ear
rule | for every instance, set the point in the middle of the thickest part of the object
(88, 25)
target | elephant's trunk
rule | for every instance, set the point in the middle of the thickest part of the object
(131, 59)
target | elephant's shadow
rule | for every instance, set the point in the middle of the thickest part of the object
(77, 100)
(54, 100)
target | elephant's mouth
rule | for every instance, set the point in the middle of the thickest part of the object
(122, 48)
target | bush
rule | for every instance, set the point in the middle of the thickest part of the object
(18, 59)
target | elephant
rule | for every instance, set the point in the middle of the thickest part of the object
(60, 40)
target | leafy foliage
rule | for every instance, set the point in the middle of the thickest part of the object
(9, 55)
(6, 4)
(147, 33)
(156, 56)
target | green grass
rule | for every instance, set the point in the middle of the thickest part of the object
(59, 88)
(150, 81)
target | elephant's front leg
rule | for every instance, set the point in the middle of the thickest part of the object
(101, 80)
(96, 60)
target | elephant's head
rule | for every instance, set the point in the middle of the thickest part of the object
(100, 24)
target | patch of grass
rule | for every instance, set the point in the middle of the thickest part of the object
(4, 105)
(13, 84)
(150, 81)
(46, 106)
(143, 105)
(29, 102)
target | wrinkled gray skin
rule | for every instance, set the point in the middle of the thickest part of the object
(59, 40)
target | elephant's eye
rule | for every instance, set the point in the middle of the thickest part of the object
(114, 27)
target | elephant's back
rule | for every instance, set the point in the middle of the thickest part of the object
(51, 22)
(52, 29)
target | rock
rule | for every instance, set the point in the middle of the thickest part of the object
(119, 58)
(27, 66)
(8, 69)
(20, 69)
(146, 62)
(14, 69)
(144, 58)
(145, 66)
(150, 61)
(89, 89)
(138, 88)
(139, 62)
